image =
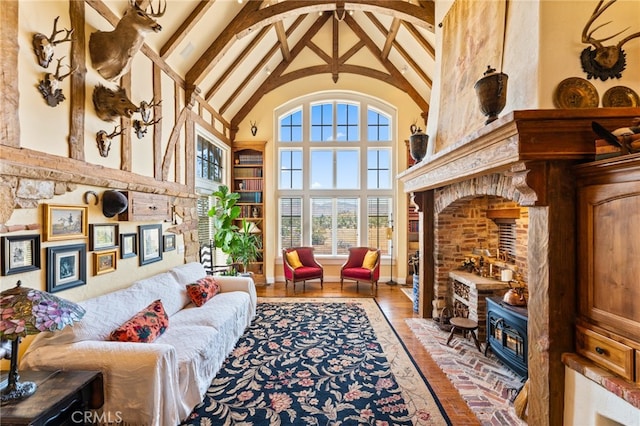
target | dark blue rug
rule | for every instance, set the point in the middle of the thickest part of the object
(318, 362)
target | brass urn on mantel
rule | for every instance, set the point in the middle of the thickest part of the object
(492, 93)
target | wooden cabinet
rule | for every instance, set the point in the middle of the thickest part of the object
(608, 329)
(145, 207)
(248, 181)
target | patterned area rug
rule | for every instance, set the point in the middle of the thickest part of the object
(483, 382)
(319, 361)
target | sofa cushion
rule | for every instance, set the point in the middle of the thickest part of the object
(370, 259)
(293, 259)
(188, 273)
(144, 327)
(164, 286)
(203, 290)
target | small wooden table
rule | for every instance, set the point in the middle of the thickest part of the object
(62, 397)
(466, 326)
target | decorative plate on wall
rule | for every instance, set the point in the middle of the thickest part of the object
(620, 96)
(575, 92)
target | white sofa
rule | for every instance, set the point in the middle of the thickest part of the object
(155, 383)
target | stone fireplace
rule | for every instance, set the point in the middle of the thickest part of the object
(521, 161)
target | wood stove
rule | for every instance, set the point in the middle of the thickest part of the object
(507, 334)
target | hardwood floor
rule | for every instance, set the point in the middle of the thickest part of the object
(397, 307)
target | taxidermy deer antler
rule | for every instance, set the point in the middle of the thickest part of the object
(603, 62)
(104, 140)
(50, 86)
(43, 45)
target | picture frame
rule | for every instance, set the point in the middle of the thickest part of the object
(66, 267)
(105, 261)
(103, 236)
(169, 242)
(20, 253)
(150, 243)
(128, 245)
(63, 222)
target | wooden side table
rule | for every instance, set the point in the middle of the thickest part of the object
(466, 326)
(62, 397)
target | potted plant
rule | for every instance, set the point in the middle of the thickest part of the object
(246, 246)
(238, 243)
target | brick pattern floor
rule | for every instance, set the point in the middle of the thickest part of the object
(484, 383)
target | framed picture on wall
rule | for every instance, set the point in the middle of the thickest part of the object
(103, 236)
(128, 245)
(64, 222)
(105, 261)
(66, 267)
(169, 242)
(150, 238)
(20, 253)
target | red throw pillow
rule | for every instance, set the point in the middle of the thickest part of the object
(203, 290)
(144, 327)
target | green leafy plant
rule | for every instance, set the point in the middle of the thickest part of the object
(236, 242)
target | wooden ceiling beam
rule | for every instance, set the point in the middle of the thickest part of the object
(318, 51)
(183, 30)
(420, 39)
(407, 57)
(352, 51)
(391, 36)
(282, 39)
(335, 44)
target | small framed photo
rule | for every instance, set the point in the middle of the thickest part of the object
(20, 254)
(105, 261)
(103, 236)
(64, 222)
(128, 245)
(66, 267)
(150, 239)
(169, 242)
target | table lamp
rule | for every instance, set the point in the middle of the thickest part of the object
(25, 311)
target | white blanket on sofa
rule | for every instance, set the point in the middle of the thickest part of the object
(155, 383)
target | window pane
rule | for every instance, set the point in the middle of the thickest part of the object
(347, 170)
(377, 126)
(321, 225)
(321, 122)
(347, 128)
(291, 127)
(378, 169)
(290, 169)
(321, 169)
(347, 224)
(378, 214)
(290, 222)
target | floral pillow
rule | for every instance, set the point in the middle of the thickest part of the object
(203, 290)
(144, 327)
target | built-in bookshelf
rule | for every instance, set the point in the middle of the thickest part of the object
(248, 181)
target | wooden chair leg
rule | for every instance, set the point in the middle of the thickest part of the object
(341, 283)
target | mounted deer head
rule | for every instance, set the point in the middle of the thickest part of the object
(43, 45)
(112, 51)
(111, 104)
(50, 86)
(603, 62)
(104, 140)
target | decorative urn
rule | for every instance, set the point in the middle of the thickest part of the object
(492, 93)
(418, 142)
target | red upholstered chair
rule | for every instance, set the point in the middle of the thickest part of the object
(353, 268)
(308, 270)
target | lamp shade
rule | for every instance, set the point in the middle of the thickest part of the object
(27, 311)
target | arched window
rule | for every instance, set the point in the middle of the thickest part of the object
(335, 169)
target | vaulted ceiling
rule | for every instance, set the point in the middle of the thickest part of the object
(237, 51)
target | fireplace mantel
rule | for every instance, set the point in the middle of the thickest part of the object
(520, 136)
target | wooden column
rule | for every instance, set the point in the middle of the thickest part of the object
(552, 289)
(424, 200)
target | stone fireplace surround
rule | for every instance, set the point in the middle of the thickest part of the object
(526, 157)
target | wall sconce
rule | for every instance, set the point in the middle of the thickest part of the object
(254, 128)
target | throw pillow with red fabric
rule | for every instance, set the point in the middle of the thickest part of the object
(144, 327)
(203, 290)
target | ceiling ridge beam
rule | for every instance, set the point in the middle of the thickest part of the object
(179, 35)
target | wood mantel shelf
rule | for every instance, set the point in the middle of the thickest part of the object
(520, 136)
